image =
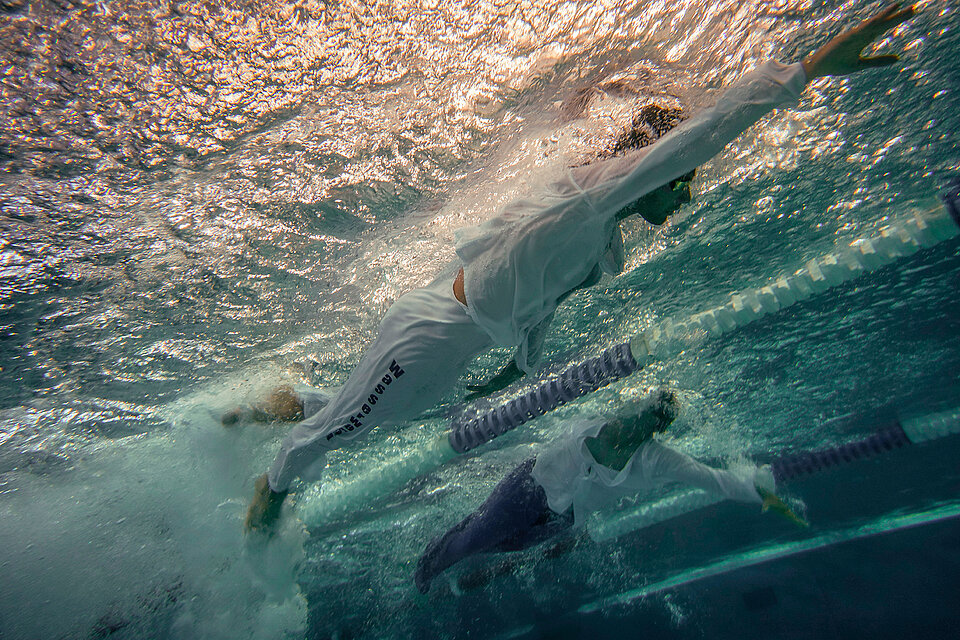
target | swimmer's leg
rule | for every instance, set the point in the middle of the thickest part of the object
(514, 517)
(281, 405)
(424, 343)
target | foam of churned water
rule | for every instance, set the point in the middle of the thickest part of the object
(142, 537)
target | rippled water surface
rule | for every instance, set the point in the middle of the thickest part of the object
(194, 195)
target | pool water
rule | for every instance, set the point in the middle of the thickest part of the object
(196, 196)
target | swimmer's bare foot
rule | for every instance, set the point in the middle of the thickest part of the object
(233, 418)
(264, 509)
(951, 199)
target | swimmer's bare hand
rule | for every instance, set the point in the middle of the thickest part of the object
(507, 376)
(842, 55)
(479, 391)
(265, 508)
(772, 502)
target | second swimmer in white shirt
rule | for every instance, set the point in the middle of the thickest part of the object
(594, 464)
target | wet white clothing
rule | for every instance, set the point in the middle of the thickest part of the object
(517, 268)
(312, 399)
(570, 476)
(425, 342)
(518, 265)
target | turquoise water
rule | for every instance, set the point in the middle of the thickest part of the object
(193, 197)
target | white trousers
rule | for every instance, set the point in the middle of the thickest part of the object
(425, 342)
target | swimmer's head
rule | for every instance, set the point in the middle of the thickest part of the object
(659, 204)
(649, 415)
(621, 115)
(617, 116)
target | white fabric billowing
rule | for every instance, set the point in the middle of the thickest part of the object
(529, 352)
(425, 342)
(615, 257)
(517, 268)
(520, 263)
(312, 399)
(570, 476)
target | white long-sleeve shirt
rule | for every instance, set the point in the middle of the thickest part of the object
(517, 267)
(571, 477)
(520, 263)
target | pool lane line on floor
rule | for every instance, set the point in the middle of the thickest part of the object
(782, 550)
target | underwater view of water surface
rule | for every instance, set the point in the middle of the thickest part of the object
(200, 201)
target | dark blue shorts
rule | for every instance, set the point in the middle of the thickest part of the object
(514, 517)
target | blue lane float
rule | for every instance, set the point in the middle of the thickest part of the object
(893, 436)
(798, 465)
(576, 381)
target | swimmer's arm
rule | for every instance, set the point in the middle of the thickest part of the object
(507, 376)
(668, 464)
(842, 55)
(620, 181)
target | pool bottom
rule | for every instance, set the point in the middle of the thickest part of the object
(899, 578)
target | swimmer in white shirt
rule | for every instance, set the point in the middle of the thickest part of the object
(594, 464)
(513, 270)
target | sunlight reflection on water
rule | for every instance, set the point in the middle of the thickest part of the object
(192, 192)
